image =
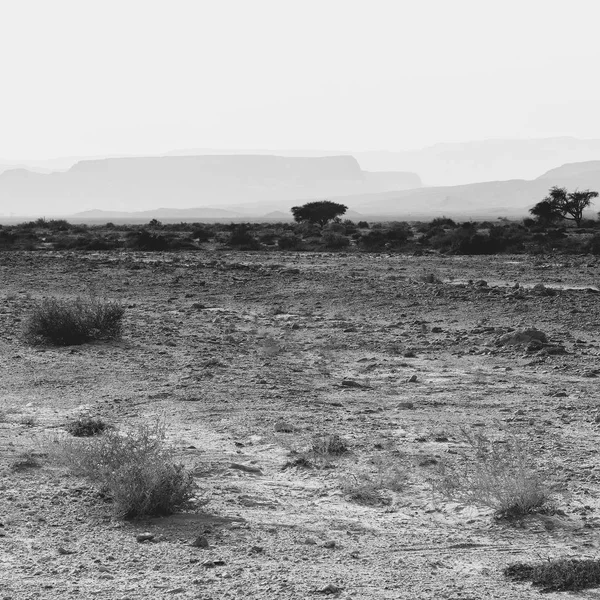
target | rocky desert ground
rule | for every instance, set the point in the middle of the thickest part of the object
(250, 357)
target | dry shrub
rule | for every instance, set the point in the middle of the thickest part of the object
(557, 575)
(70, 322)
(86, 426)
(136, 470)
(496, 474)
(369, 486)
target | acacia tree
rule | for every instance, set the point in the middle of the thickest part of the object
(561, 204)
(319, 213)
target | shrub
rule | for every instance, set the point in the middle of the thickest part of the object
(242, 238)
(368, 487)
(86, 427)
(70, 322)
(557, 575)
(289, 242)
(144, 240)
(496, 475)
(331, 445)
(136, 471)
(335, 241)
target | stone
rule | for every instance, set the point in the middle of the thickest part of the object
(246, 468)
(144, 537)
(522, 336)
(200, 542)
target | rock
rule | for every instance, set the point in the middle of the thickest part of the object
(412, 379)
(246, 468)
(257, 550)
(144, 537)
(64, 551)
(310, 541)
(200, 542)
(522, 336)
(541, 290)
(329, 544)
(481, 283)
(330, 589)
(284, 427)
(405, 405)
(351, 384)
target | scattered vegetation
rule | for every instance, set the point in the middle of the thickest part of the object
(70, 322)
(136, 470)
(497, 474)
(558, 226)
(559, 575)
(86, 426)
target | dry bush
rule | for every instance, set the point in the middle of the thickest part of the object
(329, 445)
(70, 322)
(369, 486)
(496, 474)
(557, 575)
(86, 426)
(136, 470)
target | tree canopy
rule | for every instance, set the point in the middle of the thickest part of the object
(320, 212)
(562, 204)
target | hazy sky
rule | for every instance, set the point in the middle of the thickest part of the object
(92, 77)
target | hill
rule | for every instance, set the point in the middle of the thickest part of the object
(494, 198)
(134, 184)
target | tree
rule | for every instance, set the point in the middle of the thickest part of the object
(561, 204)
(319, 213)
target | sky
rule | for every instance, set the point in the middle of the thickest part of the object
(102, 77)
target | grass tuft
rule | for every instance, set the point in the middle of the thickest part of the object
(71, 322)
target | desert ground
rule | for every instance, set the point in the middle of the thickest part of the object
(248, 357)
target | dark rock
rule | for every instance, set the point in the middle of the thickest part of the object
(246, 468)
(200, 542)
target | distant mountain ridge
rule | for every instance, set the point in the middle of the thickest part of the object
(462, 163)
(137, 183)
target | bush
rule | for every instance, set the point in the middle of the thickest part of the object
(242, 238)
(136, 471)
(289, 242)
(499, 476)
(144, 240)
(71, 322)
(335, 241)
(557, 575)
(86, 427)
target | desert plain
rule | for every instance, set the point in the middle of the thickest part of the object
(248, 358)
